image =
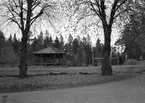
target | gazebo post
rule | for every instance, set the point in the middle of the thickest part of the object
(59, 59)
(92, 59)
(54, 59)
(41, 59)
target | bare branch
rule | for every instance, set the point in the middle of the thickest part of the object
(15, 21)
(123, 2)
(114, 9)
(96, 11)
(35, 4)
(37, 16)
(120, 13)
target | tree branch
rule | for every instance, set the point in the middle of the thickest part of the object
(36, 4)
(15, 21)
(119, 13)
(96, 11)
(123, 2)
(35, 17)
(114, 9)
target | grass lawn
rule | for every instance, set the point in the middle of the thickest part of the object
(43, 78)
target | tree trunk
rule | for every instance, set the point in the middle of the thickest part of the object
(23, 59)
(106, 67)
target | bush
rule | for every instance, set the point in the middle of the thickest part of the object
(8, 56)
(131, 62)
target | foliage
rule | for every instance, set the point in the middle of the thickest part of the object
(8, 56)
(81, 56)
(15, 44)
(56, 43)
(133, 34)
(77, 53)
(8, 50)
(131, 62)
(98, 49)
(47, 41)
(2, 39)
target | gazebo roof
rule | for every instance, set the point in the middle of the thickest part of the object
(49, 50)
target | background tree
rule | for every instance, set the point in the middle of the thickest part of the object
(2, 39)
(70, 41)
(99, 48)
(81, 55)
(15, 44)
(24, 13)
(7, 53)
(10, 39)
(56, 43)
(88, 50)
(75, 46)
(46, 40)
(61, 43)
(133, 35)
(8, 56)
(40, 41)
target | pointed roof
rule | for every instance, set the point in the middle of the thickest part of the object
(49, 50)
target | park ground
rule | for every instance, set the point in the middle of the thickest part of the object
(131, 90)
(73, 85)
(50, 78)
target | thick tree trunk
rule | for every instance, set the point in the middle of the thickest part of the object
(106, 67)
(23, 59)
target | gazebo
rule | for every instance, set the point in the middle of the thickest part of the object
(48, 56)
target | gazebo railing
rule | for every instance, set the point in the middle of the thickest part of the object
(47, 61)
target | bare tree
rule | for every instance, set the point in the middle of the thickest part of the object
(107, 11)
(24, 13)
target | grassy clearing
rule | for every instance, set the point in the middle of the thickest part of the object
(56, 78)
(14, 84)
(33, 70)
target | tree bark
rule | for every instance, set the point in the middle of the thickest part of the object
(23, 59)
(106, 66)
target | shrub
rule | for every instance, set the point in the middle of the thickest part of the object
(8, 56)
(131, 62)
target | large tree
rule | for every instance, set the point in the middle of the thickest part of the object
(24, 13)
(108, 11)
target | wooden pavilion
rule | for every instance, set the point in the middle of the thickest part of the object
(48, 56)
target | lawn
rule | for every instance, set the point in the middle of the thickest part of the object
(46, 78)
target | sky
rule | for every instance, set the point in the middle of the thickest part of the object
(60, 28)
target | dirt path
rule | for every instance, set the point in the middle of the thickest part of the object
(127, 91)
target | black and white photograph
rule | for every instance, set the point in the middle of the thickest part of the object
(72, 51)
